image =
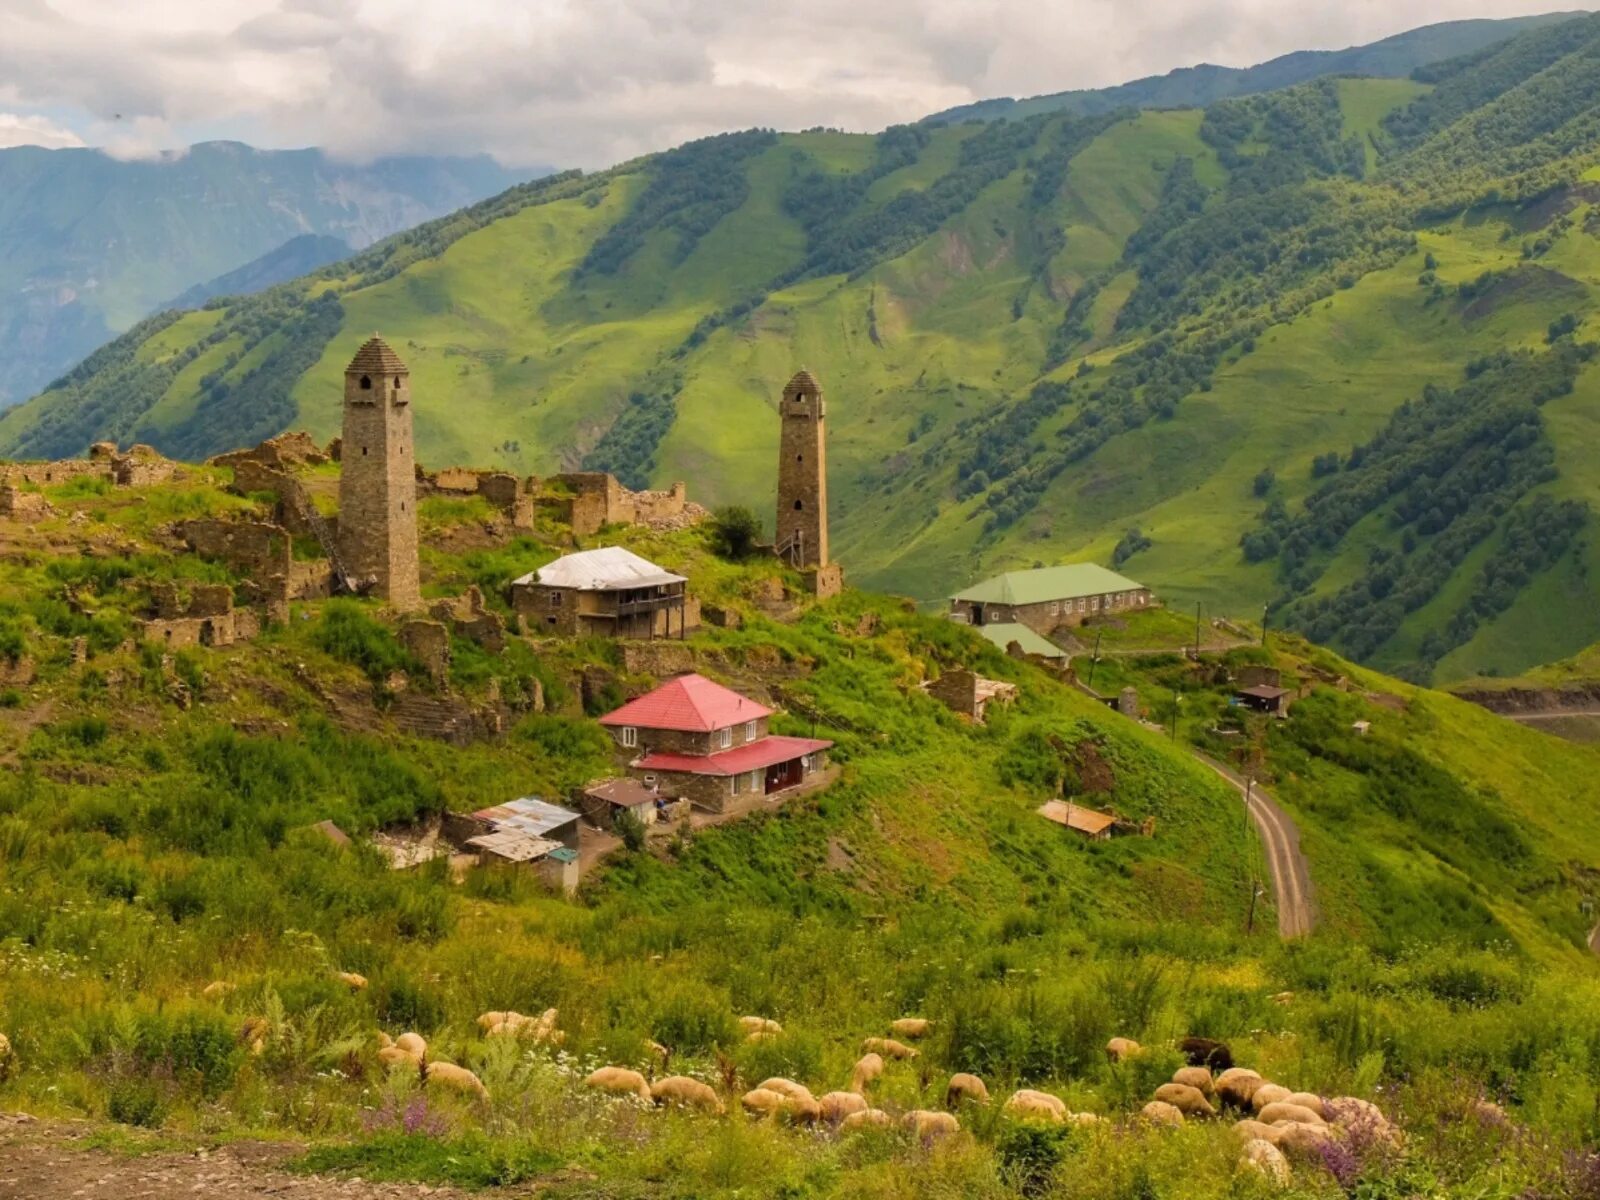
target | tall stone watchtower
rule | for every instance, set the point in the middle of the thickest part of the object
(802, 475)
(378, 487)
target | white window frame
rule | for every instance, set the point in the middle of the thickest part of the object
(755, 781)
(733, 784)
(630, 736)
(750, 731)
(555, 599)
(726, 736)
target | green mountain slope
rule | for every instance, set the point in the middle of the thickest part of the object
(90, 244)
(1191, 87)
(1323, 347)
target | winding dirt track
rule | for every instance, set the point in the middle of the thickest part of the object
(1291, 880)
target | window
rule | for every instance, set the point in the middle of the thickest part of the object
(733, 783)
(798, 506)
(726, 736)
(366, 383)
(397, 383)
(799, 458)
(755, 781)
(555, 599)
(1055, 607)
(630, 736)
(749, 731)
(807, 764)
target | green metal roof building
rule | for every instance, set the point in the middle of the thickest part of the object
(1049, 598)
(1044, 584)
(1029, 641)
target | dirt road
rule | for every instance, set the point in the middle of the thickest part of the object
(47, 1160)
(1291, 880)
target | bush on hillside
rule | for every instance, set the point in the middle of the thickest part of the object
(735, 531)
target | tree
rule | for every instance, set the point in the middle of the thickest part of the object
(734, 532)
(1264, 481)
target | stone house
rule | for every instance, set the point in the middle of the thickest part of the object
(1049, 598)
(610, 592)
(969, 694)
(206, 618)
(697, 740)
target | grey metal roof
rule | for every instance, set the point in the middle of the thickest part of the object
(529, 815)
(608, 569)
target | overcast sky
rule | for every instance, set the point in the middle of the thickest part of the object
(588, 83)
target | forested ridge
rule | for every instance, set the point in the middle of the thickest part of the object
(1042, 332)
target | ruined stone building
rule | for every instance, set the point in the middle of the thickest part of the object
(378, 484)
(802, 525)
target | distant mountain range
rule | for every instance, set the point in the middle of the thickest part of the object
(1196, 87)
(90, 244)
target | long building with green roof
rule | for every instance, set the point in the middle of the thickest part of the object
(1047, 598)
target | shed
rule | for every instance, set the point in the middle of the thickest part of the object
(1026, 640)
(1265, 698)
(1096, 826)
(607, 800)
(560, 869)
(533, 817)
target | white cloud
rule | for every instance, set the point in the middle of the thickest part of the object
(19, 130)
(590, 82)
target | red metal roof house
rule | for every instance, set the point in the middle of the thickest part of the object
(697, 739)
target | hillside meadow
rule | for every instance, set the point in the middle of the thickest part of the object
(156, 841)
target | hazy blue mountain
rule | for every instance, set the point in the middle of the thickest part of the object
(298, 256)
(1196, 87)
(90, 244)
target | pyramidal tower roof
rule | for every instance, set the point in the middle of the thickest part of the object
(375, 358)
(803, 381)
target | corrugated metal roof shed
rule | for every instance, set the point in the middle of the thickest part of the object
(529, 815)
(608, 569)
(514, 846)
(1044, 584)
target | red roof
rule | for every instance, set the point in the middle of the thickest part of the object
(752, 756)
(690, 704)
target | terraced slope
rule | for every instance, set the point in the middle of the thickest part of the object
(1322, 348)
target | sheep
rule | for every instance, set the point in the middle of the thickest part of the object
(620, 1081)
(867, 1118)
(889, 1048)
(1278, 1113)
(836, 1106)
(1206, 1052)
(965, 1088)
(392, 1056)
(1309, 1100)
(1302, 1141)
(1159, 1112)
(1120, 1049)
(1028, 1105)
(413, 1045)
(1266, 1159)
(488, 1020)
(5, 1055)
(928, 1125)
(910, 1027)
(253, 1030)
(216, 989)
(1187, 1100)
(868, 1069)
(1235, 1088)
(1281, 998)
(356, 983)
(760, 1102)
(687, 1093)
(1250, 1130)
(1269, 1093)
(513, 1024)
(1352, 1110)
(457, 1079)
(759, 1025)
(1196, 1077)
(787, 1087)
(759, 1035)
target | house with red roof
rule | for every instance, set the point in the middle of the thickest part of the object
(698, 740)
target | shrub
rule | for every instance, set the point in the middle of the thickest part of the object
(735, 530)
(347, 633)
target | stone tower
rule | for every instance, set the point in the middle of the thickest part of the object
(802, 539)
(378, 487)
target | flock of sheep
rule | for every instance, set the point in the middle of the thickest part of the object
(1279, 1123)
(1275, 1123)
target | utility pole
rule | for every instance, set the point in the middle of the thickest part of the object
(1250, 920)
(1265, 609)
(1095, 661)
(1177, 701)
(1197, 631)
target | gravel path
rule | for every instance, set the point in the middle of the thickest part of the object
(47, 1160)
(1291, 879)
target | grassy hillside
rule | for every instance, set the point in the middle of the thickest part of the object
(1309, 344)
(153, 822)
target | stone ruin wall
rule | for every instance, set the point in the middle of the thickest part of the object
(139, 466)
(206, 617)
